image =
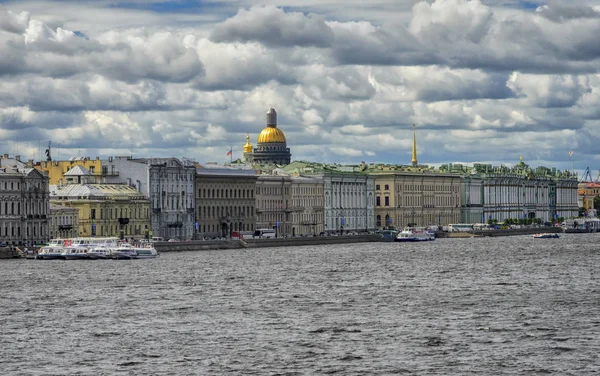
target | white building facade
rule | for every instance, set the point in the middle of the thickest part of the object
(519, 192)
(348, 202)
(168, 183)
(24, 203)
(307, 206)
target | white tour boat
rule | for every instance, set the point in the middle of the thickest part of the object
(415, 234)
(75, 253)
(147, 251)
(101, 252)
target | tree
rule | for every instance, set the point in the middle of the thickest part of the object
(597, 202)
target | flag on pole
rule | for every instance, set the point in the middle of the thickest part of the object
(230, 152)
(570, 153)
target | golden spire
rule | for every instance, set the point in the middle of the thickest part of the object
(414, 153)
(248, 146)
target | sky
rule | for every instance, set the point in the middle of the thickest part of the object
(483, 81)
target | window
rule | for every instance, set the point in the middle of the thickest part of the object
(387, 187)
(377, 187)
(378, 201)
(387, 201)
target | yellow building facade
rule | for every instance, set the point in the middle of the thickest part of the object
(57, 169)
(106, 209)
(413, 197)
(586, 192)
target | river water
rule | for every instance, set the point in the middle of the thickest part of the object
(482, 306)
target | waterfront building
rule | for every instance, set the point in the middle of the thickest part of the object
(64, 221)
(348, 195)
(414, 195)
(169, 185)
(57, 169)
(586, 193)
(225, 200)
(24, 203)
(105, 209)
(519, 192)
(307, 206)
(271, 147)
(273, 203)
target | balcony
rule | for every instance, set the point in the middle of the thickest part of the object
(65, 227)
(123, 221)
(156, 210)
(175, 224)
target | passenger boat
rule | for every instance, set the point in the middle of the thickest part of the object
(48, 252)
(546, 235)
(124, 251)
(415, 234)
(100, 252)
(145, 252)
(75, 253)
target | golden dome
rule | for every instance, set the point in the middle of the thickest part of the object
(271, 134)
(248, 146)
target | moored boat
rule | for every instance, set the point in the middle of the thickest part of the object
(415, 234)
(124, 251)
(50, 253)
(100, 252)
(75, 253)
(546, 235)
(145, 252)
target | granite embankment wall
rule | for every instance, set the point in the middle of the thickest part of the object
(8, 252)
(507, 232)
(201, 245)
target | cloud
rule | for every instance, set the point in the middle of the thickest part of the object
(482, 80)
(274, 27)
(127, 56)
(549, 91)
(559, 11)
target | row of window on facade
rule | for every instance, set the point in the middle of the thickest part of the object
(235, 226)
(10, 210)
(272, 191)
(225, 193)
(10, 231)
(116, 230)
(420, 201)
(62, 220)
(121, 213)
(222, 211)
(306, 190)
(170, 202)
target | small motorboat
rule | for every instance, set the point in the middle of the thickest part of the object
(546, 236)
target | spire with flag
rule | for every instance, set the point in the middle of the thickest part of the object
(230, 152)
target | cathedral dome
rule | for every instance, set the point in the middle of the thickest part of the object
(271, 134)
(248, 146)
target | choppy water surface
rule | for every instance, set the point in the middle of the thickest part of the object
(512, 305)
